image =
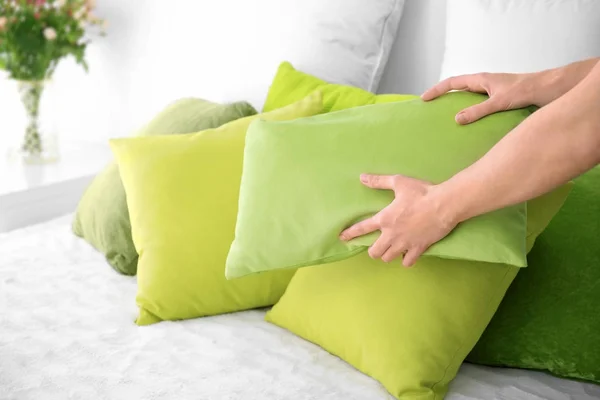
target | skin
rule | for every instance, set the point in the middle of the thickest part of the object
(557, 143)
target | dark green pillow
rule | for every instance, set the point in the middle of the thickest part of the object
(550, 317)
(102, 218)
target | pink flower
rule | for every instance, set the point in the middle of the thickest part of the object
(50, 33)
(3, 22)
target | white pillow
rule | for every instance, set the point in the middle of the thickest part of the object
(229, 50)
(519, 35)
(340, 41)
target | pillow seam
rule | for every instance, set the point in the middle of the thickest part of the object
(312, 263)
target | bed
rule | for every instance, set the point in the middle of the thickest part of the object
(67, 332)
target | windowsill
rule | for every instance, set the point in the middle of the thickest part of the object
(31, 194)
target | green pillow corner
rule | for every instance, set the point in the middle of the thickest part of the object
(291, 85)
(102, 217)
(300, 187)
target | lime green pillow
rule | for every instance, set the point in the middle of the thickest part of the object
(102, 218)
(182, 194)
(300, 186)
(291, 85)
(409, 328)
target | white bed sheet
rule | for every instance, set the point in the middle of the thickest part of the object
(67, 332)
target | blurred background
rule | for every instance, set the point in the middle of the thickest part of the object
(156, 51)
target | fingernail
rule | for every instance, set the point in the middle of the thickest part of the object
(343, 237)
(363, 178)
(461, 118)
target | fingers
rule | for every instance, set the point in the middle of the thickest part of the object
(359, 229)
(412, 255)
(392, 253)
(395, 251)
(378, 181)
(379, 248)
(472, 83)
(478, 111)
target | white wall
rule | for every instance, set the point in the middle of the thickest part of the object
(416, 59)
(159, 50)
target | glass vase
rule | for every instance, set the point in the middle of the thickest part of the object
(39, 143)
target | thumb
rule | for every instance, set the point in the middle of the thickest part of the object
(478, 111)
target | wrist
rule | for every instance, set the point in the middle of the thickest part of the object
(554, 83)
(449, 205)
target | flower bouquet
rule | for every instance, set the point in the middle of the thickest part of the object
(35, 35)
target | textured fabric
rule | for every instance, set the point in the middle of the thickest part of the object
(300, 186)
(67, 352)
(182, 194)
(102, 218)
(291, 85)
(409, 328)
(550, 319)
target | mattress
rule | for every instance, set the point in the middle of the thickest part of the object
(67, 332)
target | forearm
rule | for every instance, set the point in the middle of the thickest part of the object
(557, 143)
(558, 81)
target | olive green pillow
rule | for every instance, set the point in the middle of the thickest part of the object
(102, 218)
(300, 185)
(550, 318)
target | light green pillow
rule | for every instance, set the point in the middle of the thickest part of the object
(291, 85)
(300, 186)
(409, 328)
(182, 195)
(102, 218)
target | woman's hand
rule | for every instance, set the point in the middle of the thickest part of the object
(415, 220)
(505, 91)
(510, 91)
(554, 145)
